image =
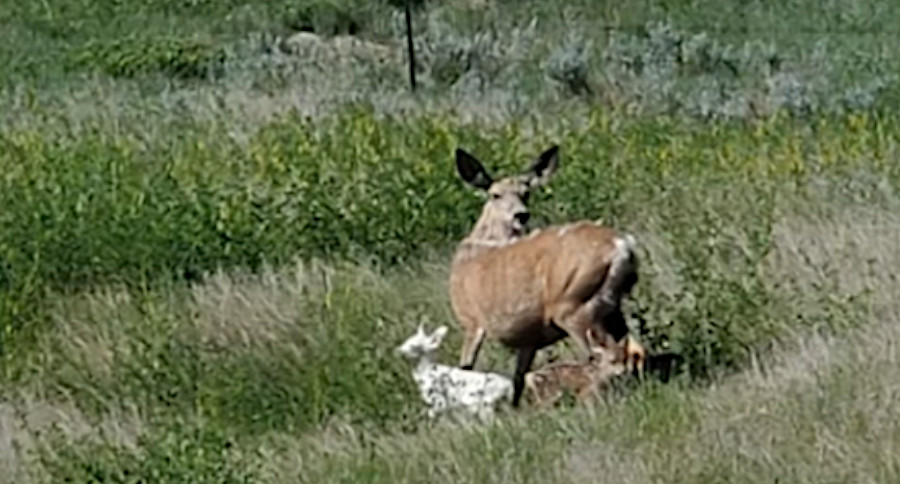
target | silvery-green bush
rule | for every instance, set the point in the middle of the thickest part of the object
(663, 69)
(448, 57)
(569, 65)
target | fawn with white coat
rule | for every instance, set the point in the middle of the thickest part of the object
(448, 388)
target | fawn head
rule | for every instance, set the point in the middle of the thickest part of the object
(422, 344)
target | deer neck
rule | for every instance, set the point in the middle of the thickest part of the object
(424, 367)
(489, 233)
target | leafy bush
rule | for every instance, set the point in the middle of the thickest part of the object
(173, 453)
(93, 210)
(333, 17)
(129, 57)
(149, 293)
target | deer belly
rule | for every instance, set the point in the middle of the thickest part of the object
(523, 329)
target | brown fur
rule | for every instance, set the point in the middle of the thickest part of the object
(584, 380)
(528, 292)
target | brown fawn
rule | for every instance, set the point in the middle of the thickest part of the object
(584, 380)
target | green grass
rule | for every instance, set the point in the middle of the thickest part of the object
(290, 374)
(210, 243)
(54, 42)
(91, 210)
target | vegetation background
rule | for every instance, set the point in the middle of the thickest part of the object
(218, 218)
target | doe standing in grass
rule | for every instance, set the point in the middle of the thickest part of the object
(529, 291)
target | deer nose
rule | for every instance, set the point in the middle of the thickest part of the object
(522, 217)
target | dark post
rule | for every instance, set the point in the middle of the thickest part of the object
(410, 48)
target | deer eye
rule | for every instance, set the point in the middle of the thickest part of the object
(495, 196)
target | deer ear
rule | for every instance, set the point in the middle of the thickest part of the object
(637, 354)
(540, 172)
(471, 170)
(592, 338)
(439, 334)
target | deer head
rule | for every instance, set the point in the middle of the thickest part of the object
(628, 352)
(505, 215)
(422, 344)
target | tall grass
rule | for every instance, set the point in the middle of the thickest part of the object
(290, 373)
(93, 210)
(214, 231)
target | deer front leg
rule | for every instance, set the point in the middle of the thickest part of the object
(524, 358)
(471, 346)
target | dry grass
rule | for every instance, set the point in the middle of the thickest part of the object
(287, 374)
(818, 408)
(851, 251)
(820, 411)
(27, 421)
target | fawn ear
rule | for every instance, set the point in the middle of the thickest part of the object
(636, 353)
(540, 172)
(594, 341)
(439, 334)
(472, 171)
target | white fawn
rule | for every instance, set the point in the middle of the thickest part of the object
(447, 388)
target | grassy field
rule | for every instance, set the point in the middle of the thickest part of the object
(214, 231)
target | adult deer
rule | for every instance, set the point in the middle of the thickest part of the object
(529, 291)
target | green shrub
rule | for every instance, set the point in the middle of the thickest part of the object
(94, 210)
(333, 17)
(177, 452)
(183, 58)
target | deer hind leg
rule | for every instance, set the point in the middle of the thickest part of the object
(575, 321)
(472, 341)
(619, 282)
(598, 324)
(588, 394)
(536, 387)
(609, 318)
(543, 390)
